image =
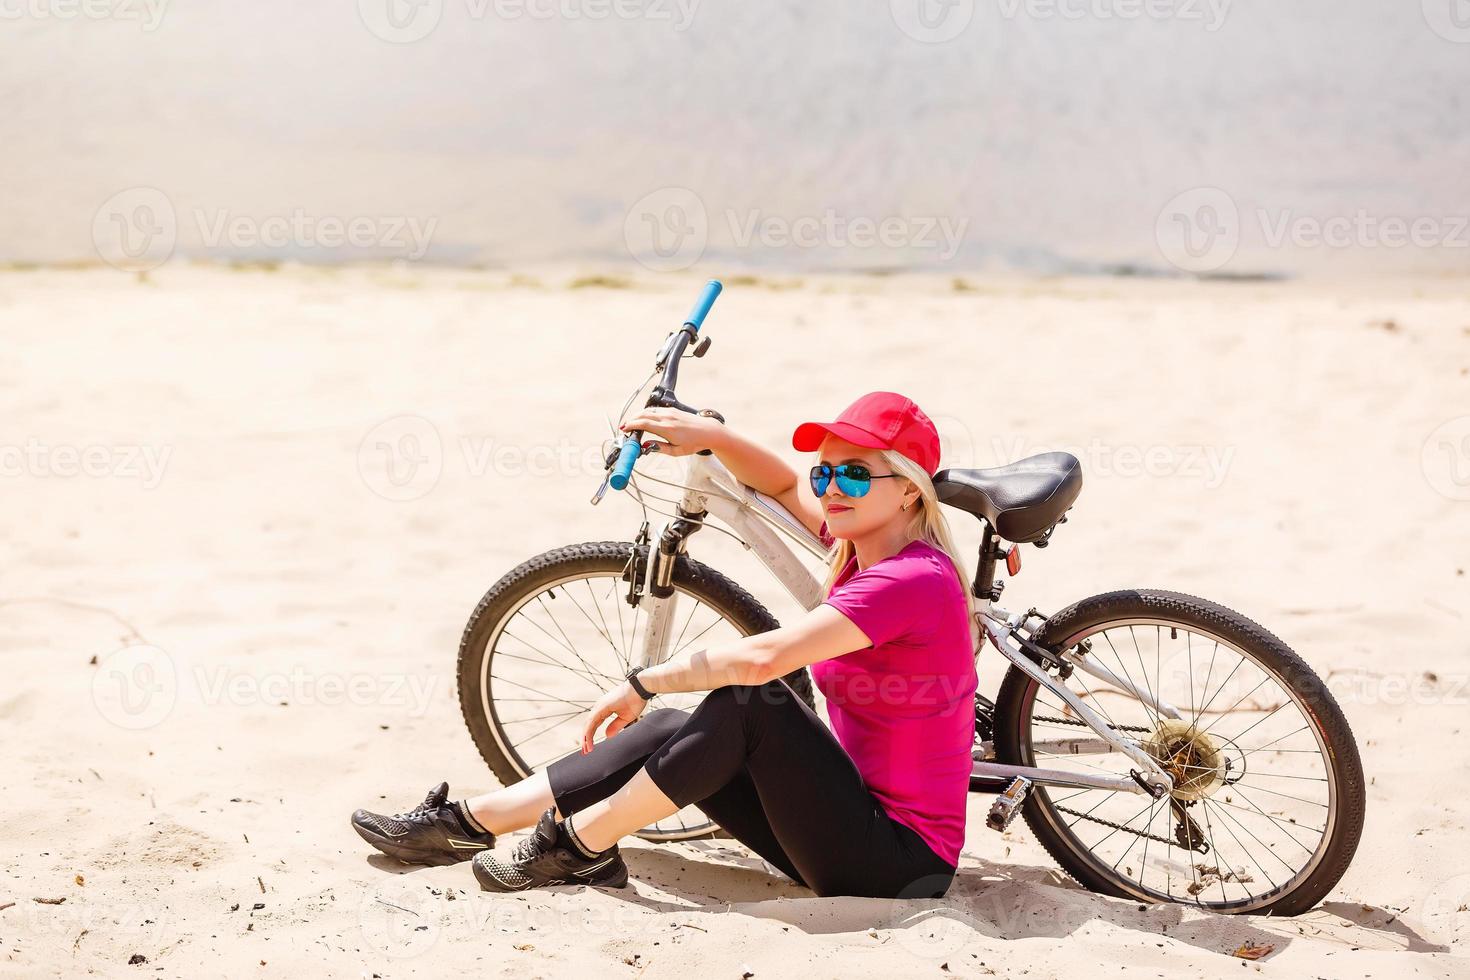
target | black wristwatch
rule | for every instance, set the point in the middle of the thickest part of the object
(632, 678)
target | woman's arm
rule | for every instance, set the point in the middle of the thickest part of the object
(751, 463)
(820, 634)
(761, 469)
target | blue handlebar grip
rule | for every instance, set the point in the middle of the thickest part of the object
(706, 300)
(623, 468)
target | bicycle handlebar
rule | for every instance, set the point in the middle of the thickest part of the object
(702, 305)
(622, 469)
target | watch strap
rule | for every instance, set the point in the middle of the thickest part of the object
(643, 692)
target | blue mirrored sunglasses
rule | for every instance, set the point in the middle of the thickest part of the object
(853, 479)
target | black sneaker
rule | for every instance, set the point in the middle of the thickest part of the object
(431, 833)
(547, 857)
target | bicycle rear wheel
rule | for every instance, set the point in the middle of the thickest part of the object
(1267, 807)
(556, 632)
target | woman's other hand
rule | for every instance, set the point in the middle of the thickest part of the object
(682, 433)
(622, 704)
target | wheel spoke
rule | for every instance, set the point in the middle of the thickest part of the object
(1269, 850)
(606, 626)
(1147, 688)
(1151, 804)
(1283, 824)
(550, 662)
(1210, 840)
(1273, 711)
(1128, 677)
(1194, 724)
(695, 638)
(1244, 849)
(1262, 748)
(685, 628)
(507, 680)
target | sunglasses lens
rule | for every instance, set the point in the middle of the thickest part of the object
(820, 477)
(853, 480)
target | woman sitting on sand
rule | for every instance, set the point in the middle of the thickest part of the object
(875, 806)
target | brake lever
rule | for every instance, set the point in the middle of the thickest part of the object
(647, 448)
(609, 460)
(606, 480)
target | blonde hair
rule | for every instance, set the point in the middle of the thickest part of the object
(928, 522)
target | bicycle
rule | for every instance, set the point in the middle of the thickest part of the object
(1082, 764)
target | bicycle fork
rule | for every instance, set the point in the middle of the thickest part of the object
(651, 589)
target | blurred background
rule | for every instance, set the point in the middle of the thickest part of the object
(1148, 136)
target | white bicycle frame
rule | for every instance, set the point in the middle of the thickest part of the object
(759, 521)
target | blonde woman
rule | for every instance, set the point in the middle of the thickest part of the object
(873, 806)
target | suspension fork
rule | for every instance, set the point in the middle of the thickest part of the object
(659, 600)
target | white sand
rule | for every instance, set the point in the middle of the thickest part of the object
(263, 563)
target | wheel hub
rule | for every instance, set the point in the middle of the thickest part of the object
(1189, 756)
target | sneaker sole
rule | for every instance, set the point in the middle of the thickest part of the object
(489, 884)
(409, 855)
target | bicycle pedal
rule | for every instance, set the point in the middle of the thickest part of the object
(1008, 804)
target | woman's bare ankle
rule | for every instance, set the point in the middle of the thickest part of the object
(513, 808)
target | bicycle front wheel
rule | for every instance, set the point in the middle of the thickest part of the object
(1268, 799)
(556, 632)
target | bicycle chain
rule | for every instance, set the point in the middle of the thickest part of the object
(1108, 823)
(1083, 724)
(1117, 826)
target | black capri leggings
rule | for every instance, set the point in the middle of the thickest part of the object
(761, 764)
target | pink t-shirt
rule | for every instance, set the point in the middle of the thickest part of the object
(904, 706)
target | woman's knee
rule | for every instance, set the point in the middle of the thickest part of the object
(770, 693)
(661, 721)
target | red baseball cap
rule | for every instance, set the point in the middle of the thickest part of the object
(879, 420)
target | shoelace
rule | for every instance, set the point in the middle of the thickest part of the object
(418, 812)
(527, 849)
